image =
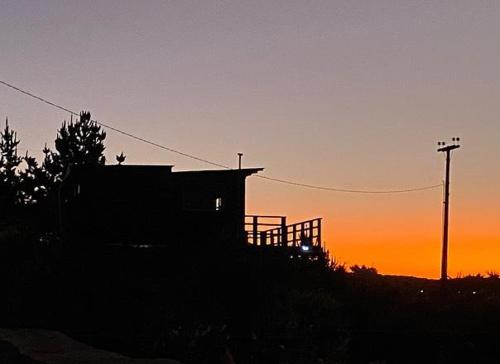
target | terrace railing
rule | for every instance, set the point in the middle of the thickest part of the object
(272, 230)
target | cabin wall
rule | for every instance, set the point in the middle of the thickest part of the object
(179, 209)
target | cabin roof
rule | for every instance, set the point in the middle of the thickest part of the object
(244, 171)
(151, 171)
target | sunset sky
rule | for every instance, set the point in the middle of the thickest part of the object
(348, 94)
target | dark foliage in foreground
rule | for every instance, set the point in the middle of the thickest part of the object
(254, 306)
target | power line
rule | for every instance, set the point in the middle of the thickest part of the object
(187, 155)
(345, 190)
(113, 128)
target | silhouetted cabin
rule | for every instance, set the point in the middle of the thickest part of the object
(144, 205)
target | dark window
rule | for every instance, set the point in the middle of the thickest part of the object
(196, 200)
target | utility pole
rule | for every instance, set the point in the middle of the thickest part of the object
(444, 255)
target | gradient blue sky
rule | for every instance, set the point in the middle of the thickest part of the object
(352, 94)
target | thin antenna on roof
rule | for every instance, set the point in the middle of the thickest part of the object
(240, 155)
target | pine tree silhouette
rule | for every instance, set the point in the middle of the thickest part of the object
(9, 162)
(77, 143)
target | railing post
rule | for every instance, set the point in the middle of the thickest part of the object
(263, 238)
(319, 233)
(255, 229)
(302, 232)
(284, 232)
(294, 232)
(311, 230)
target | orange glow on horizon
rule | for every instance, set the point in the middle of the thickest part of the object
(398, 235)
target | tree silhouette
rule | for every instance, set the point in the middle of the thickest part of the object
(363, 270)
(35, 182)
(9, 162)
(77, 143)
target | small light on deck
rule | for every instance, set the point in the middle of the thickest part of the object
(218, 204)
(305, 248)
(421, 291)
(474, 292)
